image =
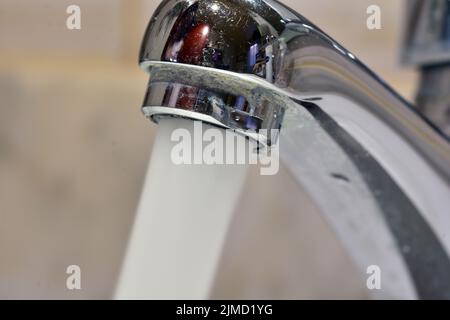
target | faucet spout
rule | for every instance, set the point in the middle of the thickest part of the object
(379, 172)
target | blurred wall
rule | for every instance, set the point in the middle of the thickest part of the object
(74, 148)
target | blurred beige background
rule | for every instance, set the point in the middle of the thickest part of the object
(74, 149)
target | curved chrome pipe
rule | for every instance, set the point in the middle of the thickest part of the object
(377, 170)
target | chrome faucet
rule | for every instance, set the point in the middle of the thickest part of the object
(379, 172)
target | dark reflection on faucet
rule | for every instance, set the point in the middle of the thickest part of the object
(426, 258)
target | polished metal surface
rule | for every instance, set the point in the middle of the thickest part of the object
(378, 171)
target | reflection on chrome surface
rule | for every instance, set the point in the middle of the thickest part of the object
(376, 168)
